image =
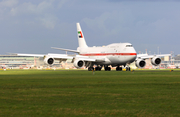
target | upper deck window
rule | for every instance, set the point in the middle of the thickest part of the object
(129, 46)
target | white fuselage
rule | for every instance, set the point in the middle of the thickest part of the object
(113, 54)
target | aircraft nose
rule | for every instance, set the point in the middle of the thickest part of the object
(134, 51)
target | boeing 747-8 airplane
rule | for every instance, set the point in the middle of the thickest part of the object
(116, 54)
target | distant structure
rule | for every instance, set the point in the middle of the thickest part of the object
(172, 61)
(176, 61)
(177, 57)
(21, 62)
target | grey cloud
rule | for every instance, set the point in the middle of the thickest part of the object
(34, 26)
(8, 3)
(143, 0)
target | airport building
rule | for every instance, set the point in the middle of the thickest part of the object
(174, 62)
(23, 62)
(13, 61)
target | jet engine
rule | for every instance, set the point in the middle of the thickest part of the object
(49, 60)
(79, 63)
(140, 63)
(155, 61)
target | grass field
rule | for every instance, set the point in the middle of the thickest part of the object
(82, 93)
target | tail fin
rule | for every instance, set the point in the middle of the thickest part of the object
(82, 42)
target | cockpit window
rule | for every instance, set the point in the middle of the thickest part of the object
(129, 46)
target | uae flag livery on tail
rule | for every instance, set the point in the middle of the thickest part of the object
(80, 34)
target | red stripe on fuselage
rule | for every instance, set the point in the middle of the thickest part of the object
(106, 54)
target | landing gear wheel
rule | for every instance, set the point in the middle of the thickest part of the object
(118, 68)
(128, 69)
(107, 69)
(98, 68)
(90, 68)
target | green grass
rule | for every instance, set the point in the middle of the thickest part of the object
(80, 93)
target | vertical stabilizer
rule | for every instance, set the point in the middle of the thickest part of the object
(81, 39)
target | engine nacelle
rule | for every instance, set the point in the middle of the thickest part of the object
(140, 63)
(49, 60)
(79, 63)
(156, 61)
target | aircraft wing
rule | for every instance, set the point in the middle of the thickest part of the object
(66, 49)
(34, 55)
(55, 56)
(146, 56)
(62, 57)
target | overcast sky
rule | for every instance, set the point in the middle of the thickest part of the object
(33, 26)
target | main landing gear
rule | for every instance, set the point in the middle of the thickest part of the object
(90, 68)
(96, 68)
(120, 68)
(107, 68)
(128, 68)
(99, 68)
